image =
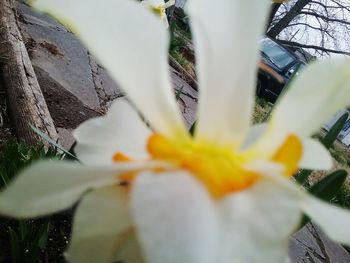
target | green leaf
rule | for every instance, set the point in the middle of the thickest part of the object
(178, 93)
(23, 229)
(328, 187)
(327, 141)
(333, 133)
(52, 142)
(44, 234)
(15, 246)
(193, 128)
(302, 176)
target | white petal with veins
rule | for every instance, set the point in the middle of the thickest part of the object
(334, 221)
(254, 134)
(321, 90)
(315, 156)
(226, 36)
(169, 3)
(121, 130)
(257, 224)
(51, 186)
(99, 222)
(309, 102)
(175, 218)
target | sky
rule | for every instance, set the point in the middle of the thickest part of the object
(307, 35)
(339, 37)
(180, 3)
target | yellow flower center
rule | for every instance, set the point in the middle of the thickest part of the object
(158, 10)
(219, 168)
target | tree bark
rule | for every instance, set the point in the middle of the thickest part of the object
(26, 101)
(284, 22)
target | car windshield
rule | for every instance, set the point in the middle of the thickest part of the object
(276, 54)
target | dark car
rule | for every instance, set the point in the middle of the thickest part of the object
(276, 67)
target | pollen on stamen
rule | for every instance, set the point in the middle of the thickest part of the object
(127, 179)
(158, 10)
(121, 157)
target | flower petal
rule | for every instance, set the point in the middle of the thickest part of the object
(333, 220)
(257, 224)
(320, 91)
(130, 251)
(253, 135)
(99, 223)
(169, 3)
(315, 156)
(135, 55)
(175, 219)
(121, 130)
(51, 186)
(153, 2)
(226, 36)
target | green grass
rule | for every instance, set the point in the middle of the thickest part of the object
(183, 32)
(182, 60)
(174, 50)
(178, 42)
(341, 155)
(261, 111)
(27, 238)
(343, 197)
(15, 156)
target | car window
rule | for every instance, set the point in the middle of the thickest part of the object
(275, 53)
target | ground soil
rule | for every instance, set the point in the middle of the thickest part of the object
(58, 236)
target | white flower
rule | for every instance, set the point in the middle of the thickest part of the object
(160, 195)
(158, 7)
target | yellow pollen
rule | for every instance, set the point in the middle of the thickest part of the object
(121, 157)
(126, 179)
(158, 10)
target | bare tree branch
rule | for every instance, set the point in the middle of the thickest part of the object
(296, 44)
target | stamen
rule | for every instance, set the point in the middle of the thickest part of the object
(158, 10)
(121, 157)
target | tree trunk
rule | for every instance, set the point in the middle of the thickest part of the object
(284, 22)
(26, 101)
